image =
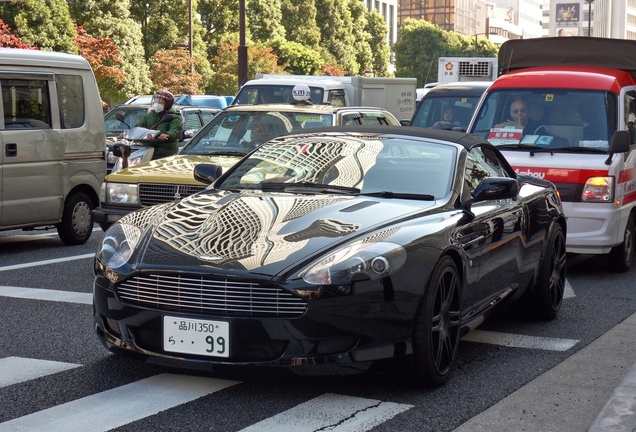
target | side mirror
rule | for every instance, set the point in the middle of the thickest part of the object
(619, 144)
(121, 117)
(207, 173)
(495, 188)
(122, 151)
(405, 122)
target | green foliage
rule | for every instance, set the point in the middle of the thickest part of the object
(362, 46)
(264, 17)
(378, 30)
(336, 32)
(45, 24)
(296, 58)
(299, 19)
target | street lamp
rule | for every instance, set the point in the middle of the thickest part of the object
(242, 49)
(589, 17)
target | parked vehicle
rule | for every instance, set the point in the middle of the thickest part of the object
(459, 97)
(52, 135)
(123, 117)
(565, 110)
(396, 95)
(224, 140)
(209, 101)
(334, 246)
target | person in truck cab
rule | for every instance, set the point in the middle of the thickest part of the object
(519, 117)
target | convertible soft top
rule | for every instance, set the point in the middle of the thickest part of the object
(554, 51)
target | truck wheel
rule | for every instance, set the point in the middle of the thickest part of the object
(621, 256)
(77, 225)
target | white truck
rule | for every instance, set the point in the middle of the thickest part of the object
(396, 95)
(454, 69)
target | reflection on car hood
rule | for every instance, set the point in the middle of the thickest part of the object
(233, 232)
(173, 169)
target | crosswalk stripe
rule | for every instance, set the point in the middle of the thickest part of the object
(46, 294)
(520, 341)
(47, 262)
(119, 406)
(15, 370)
(336, 413)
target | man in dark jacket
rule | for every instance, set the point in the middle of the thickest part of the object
(167, 142)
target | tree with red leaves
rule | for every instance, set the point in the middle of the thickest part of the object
(103, 56)
(10, 40)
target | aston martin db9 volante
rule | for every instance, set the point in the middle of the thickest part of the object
(339, 245)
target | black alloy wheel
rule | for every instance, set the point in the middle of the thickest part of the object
(437, 326)
(547, 295)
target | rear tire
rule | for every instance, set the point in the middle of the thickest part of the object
(547, 296)
(621, 256)
(437, 326)
(77, 224)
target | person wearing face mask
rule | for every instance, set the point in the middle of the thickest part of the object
(167, 142)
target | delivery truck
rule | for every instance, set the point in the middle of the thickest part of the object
(564, 110)
(396, 95)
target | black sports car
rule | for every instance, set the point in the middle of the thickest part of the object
(337, 245)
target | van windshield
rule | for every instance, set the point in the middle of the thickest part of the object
(555, 120)
(445, 112)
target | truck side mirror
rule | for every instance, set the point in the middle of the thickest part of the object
(619, 144)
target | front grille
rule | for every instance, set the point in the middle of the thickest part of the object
(151, 194)
(201, 294)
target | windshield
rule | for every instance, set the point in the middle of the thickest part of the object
(239, 132)
(130, 116)
(548, 120)
(348, 164)
(445, 112)
(282, 93)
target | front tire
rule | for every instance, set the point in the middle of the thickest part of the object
(547, 296)
(621, 256)
(437, 326)
(77, 224)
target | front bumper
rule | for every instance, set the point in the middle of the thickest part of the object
(330, 331)
(110, 215)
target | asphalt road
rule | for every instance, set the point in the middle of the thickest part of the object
(56, 376)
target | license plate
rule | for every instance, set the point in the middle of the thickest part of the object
(193, 336)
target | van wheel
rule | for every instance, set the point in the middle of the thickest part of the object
(621, 256)
(77, 224)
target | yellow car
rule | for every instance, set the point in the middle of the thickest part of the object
(224, 140)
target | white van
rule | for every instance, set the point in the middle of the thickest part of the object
(53, 145)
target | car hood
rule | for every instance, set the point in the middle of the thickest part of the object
(173, 169)
(265, 233)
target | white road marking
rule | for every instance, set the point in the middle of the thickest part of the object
(119, 406)
(15, 370)
(46, 262)
(46, 294)
(568, 292)
(331, 412)
(520, 341)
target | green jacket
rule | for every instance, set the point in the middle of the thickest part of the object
(173, 129)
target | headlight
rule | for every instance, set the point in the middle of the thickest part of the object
(121, 193)
(118, 245)
(598, 189)
(359, 261)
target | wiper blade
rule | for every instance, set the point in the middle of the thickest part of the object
(323, 188)
(576, 149)
(518, 146)
(400, 195)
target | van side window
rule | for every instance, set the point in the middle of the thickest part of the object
(70, 94)
(26, 104)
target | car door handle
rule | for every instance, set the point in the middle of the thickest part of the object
(11, 150)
